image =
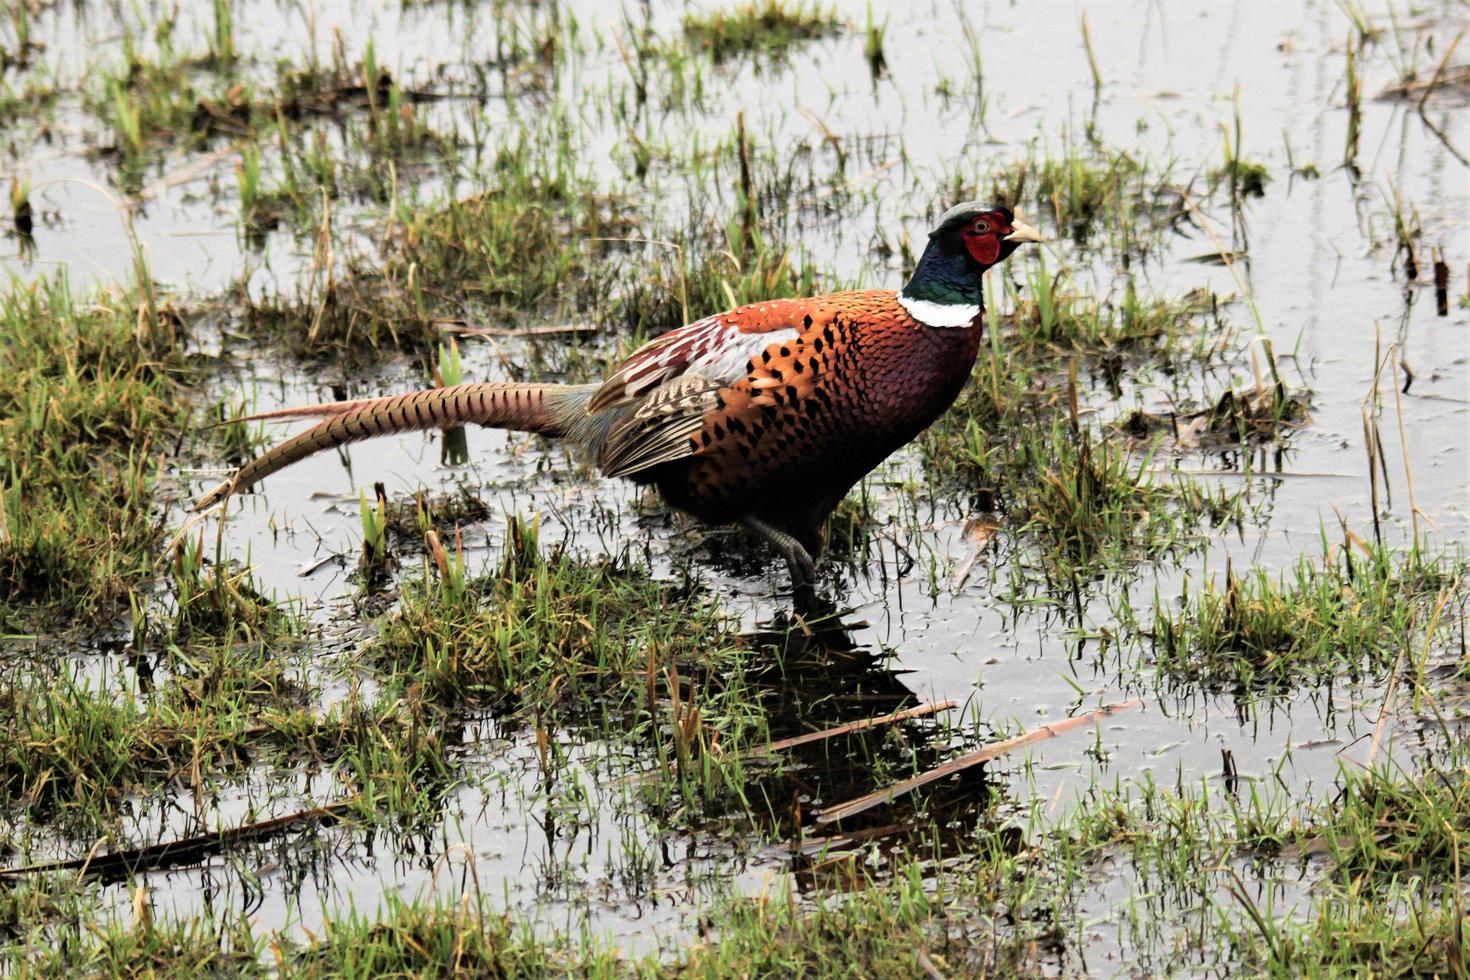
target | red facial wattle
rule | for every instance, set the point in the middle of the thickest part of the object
(984, 249)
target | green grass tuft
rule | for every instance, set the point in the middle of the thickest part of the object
(1354, 609)
(765, 27)
(88, 405)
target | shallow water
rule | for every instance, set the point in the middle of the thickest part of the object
(1321, 273)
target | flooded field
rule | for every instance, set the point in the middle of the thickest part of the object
(453, 703)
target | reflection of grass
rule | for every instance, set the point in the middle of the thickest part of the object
(1239, 417)
(408, 519)
(30, 101)
(1203, 865)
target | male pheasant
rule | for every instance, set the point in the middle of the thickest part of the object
(765, 415)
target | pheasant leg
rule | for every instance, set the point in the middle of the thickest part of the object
(798, 559)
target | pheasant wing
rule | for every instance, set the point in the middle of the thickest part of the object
(716, 348)
(713, 399)
(661, 428)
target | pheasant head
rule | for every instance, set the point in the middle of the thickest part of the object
(944, 290)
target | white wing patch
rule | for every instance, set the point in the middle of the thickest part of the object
(711, 348)
(728, 361)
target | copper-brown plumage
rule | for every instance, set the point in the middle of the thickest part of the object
(766, 414)
(814, 414)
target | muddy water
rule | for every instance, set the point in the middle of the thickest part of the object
(1321, 275)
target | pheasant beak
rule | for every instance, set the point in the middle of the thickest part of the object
(1022, 232)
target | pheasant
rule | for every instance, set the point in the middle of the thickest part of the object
(765, 415)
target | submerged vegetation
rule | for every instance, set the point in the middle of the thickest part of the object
(516, 723)
(1388, 842)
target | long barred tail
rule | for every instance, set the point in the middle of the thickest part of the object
(545, 408)
(321, 410)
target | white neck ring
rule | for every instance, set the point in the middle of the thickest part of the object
(934, 314)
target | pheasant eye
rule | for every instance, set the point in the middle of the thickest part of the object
(981, 227)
